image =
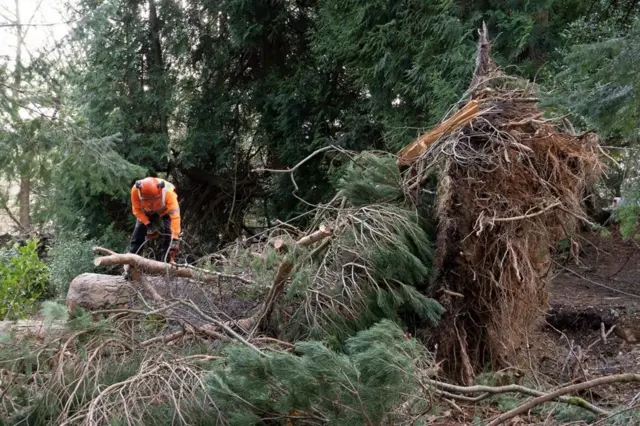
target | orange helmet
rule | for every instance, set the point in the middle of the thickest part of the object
(149, 188)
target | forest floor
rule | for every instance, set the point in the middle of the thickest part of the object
(599, 291)
(603, 288)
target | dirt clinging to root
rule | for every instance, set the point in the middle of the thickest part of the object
(511, 185)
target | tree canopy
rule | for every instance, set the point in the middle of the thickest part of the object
(211, 93)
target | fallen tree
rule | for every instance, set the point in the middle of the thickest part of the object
(508, 187)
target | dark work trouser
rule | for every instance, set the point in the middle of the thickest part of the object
(140, 234)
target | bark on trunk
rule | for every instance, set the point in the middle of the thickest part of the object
(157, 75)
(18, 330)
(96, 292)
(177, 298)
(24, 197)
(25, 202)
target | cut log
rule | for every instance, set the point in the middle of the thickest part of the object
(99, 291)
(95, 292)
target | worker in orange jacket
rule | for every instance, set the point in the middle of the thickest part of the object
(155, 200)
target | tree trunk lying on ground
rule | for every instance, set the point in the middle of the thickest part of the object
(150, 279)
(100, 291)
(171, 289)
(36, 328)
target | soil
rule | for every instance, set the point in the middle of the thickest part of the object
(589, 296)
(599, 290)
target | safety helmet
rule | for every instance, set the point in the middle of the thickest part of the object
(149, 188)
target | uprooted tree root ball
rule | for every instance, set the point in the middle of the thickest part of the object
(510, 186)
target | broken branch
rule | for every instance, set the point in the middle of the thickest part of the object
(449, 389)
(154, 267)
(618, 378)
(283, 272)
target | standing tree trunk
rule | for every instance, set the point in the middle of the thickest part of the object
(24, 198)
(25, 202)
(157, 80)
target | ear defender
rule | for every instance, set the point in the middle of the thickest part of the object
(160, 184)
(138, 184)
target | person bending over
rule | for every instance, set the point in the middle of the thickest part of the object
(154, 203)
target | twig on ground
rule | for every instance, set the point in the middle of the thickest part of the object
(492, 390)
(618, 378)
(596, 283)
(222, 325)
(163, 338)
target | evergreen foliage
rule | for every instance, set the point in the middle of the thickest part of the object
(202, 93)
(375, 267)
(593, 84)
(371, 376)
(370, 179)
(596, 81)
(70, 256)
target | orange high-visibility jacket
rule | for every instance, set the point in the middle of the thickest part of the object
(167, 204)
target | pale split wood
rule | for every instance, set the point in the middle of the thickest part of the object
(415, 149)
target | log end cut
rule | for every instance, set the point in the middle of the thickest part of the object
(98, 291)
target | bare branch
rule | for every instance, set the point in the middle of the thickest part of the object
(618, 378)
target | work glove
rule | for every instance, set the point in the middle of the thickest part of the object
(152, 232)
(174, 247)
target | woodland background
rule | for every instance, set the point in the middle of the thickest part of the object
(207, 93)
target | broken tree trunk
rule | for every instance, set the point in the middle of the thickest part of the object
(283, 273)
(409, 154)
(153, 267)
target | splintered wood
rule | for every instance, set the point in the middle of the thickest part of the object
(415, 149)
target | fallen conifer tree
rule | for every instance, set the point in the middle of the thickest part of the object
(509, 186)
(469, 267)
